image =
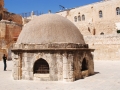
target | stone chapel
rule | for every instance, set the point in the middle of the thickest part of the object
(51, 48)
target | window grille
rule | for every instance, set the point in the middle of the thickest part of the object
(41, 67)
(75, 18)
(118, 11)
(79, 18)
(100, 14)
(83, 17)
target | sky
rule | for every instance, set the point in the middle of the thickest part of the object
(24, 6)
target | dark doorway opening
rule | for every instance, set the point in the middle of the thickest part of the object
(41, 67)
(10, 20)
(101, 33)
(84, 65)
(0, 16)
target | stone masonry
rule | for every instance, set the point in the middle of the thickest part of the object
(65, 64)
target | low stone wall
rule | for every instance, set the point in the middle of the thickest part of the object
(107, 47)
(102, 39)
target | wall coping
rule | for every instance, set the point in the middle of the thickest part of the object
(52, 46)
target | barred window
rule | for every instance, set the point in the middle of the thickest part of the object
(41, 66)
(83, 17)
(79, 18)
(118, 11)
(75, 18)
(100, 14)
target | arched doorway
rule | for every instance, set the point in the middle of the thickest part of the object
(41, 67)
(84, 65)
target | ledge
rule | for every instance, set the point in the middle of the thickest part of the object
(41, 75)
(49, 46)
(55, 49)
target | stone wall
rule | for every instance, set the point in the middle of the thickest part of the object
(10, 28)
(107, 47)
(63, 66)
(54, 60)
(9, 32)
(65, 63)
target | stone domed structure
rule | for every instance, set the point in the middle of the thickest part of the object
(51, 48)
(50, 28)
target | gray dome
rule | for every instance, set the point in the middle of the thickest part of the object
(50, 28)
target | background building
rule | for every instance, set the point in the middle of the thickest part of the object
(95, 19)
(99, 23)
(10, 27)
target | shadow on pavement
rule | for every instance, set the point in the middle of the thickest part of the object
(96, 73)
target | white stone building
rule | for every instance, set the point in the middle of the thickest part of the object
(99, 24)
(95, 18)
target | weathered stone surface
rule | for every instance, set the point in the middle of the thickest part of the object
(10, 28)
(107, 47)
(93, 24)
(61, 67)
(52, 58)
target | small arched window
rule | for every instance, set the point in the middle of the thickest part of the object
(118, 11)
(100, 14)
(101, 33)
(75, 18)
(79, 18)
(83, 17)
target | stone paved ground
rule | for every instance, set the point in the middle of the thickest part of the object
(107, 77)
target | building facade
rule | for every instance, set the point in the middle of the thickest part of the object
(95, 19)
(100, 24)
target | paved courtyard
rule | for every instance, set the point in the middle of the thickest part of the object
(107, 77)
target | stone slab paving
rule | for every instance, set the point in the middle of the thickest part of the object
(107, 77)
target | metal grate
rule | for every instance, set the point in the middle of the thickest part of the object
(41, 66)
